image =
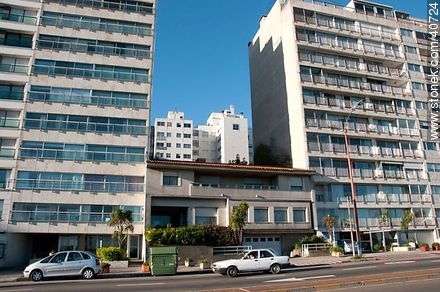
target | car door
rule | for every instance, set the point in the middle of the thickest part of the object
(55, 267)
(249, 262)
(266, 260)
(74, 263)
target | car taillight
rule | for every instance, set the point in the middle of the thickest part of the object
(98, 262)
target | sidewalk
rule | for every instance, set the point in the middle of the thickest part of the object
(383, 256)
(135, 271)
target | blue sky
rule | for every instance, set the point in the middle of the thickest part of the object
(201, 61)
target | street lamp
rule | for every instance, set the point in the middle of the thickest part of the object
(350, 173)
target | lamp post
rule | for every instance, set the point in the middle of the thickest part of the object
(350, 173)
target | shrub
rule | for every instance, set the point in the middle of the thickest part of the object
(377, 247)
(308, 239)
(424, 244)
(335, 249)
(210, 235)
(105, 265)
(406, 245)
(435, 244)
(356, 257)
(111, 253)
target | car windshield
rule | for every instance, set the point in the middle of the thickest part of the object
(240, 255)
(47, 259)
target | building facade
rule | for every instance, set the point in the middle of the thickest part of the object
(312, 64)
(75, 84)
(224, 136)
(280, 199)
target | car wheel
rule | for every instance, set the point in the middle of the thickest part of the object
(275, 268)
(88, 273)
(37, 275)
(232, 271)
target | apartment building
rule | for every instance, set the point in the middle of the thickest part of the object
(75, 84)
(314, 64)
(223, 137)
(181, 193)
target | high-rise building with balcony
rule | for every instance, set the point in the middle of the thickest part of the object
(311, 63)
(75, 84)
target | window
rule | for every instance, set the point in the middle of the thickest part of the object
(2, 250)
(265, 253)
(168, 155)
(413, 67)
(421, 105)
(1, 209)
(168, 135)
(432, 146)
(168, 144)
(187, 156)
(433, 167)
(235, 127)
(296, 184)
(260, 215)
(178, 156)
(74, 256)
(169, 180)
(187, 125)
(187, 146)
(179, 125)
(178, 135)
(417, 86)
(186, 135)
(299, 215)
(406, 32)
(4, 176)
(59, 258)
(178, 145)
(280, 215)
(169, 124)
(160, 124)
(410, 50)
(85, 256)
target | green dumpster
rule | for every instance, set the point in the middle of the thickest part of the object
(163, 260)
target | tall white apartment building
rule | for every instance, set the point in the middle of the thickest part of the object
(311, 62)
(75, 84)
(173, 137)
(223, 137)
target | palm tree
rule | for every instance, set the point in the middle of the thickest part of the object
(123, 223)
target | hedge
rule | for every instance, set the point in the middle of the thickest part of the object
(111, 253)
(209, 235)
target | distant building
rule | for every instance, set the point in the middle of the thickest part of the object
(224, 136)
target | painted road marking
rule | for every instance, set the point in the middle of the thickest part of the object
(265, 276)
(306, 268)
(401, 262)
(300, 279)
(359, 268)
(139, 284)
(242, 289)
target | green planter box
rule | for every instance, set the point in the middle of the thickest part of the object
(163, 260)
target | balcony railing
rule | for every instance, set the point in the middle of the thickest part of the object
(353, 84)
(9, 122)
(14, 42)
(18, 18)
(89, 73)
(8, 153)
(93, 49)
(64, 217)
(69, 185)
(238, 186)
(394, 222)
(355, 47)
(87, 99)
(84, 127)
(369, 32)
(13, 68)
(80, 155)
(112, 5)
(11, 95)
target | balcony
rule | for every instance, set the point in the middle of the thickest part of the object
(12, 68)
(349, 85)
(76, 186)
(330, 25)
(92, 156)
(9, 122)
(18, 18)
(395, 222)
(7, 153)
(355, 48)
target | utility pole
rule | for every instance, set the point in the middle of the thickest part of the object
(351, 227)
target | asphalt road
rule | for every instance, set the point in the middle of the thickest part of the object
(204, 282)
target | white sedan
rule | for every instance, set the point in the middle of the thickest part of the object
(252, 261)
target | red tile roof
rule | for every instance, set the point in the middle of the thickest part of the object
(229, 166)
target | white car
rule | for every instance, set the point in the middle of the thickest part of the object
(254, 260)
(65, 263)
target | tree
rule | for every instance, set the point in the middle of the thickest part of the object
(406, 219)
(329, 222)
(123, 223)
(238, 220)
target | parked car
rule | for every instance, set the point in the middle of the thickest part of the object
(65, 263)
(252, 261)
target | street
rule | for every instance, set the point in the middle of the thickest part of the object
(292, 278)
